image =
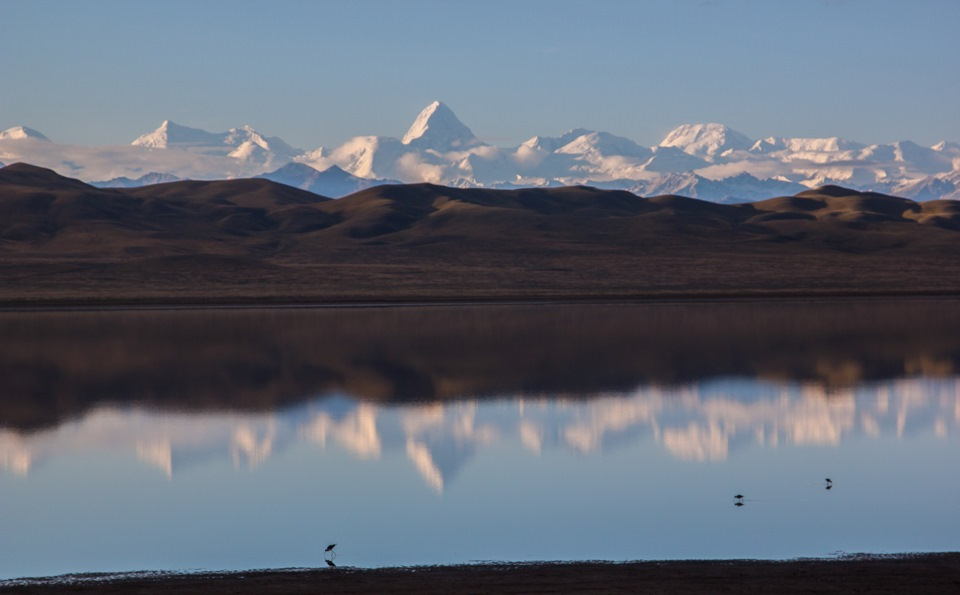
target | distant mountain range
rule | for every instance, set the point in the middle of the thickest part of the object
(707, 161)
(333, 181)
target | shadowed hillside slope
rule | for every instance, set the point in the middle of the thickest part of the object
(237, 240)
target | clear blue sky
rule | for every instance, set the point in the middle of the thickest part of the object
(316, 73)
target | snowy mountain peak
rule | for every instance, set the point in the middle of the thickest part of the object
(243, 144)
(945, 146)
(437, 127)
(604, 143)
(831, 144)
(20, 133)
(552, 143)
(170, 135)
(706, 140)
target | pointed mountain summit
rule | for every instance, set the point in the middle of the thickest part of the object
(606, 144)
(332, 182)
(706, 140)
(20, 133)
(438, 128)
(171, 135)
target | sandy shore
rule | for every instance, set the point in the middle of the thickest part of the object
(919, 573)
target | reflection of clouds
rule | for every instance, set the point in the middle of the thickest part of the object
(420, 418)
(357, 432)
(697, 443)
(700, 422)
(819, 420)
(870, 425)
(423, 460)
(249, 449)
(703, 422)
(531, 436)
(158, 453)
(14, 454)
(160, 439)
(441, 438)
(611, 415)
(940, 428)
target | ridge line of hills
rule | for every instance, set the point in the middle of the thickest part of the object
(253, 238)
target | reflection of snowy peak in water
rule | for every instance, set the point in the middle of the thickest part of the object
(703, 422)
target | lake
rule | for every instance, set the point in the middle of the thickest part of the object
(253, 438)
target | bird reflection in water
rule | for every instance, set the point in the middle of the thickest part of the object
(329, 555)
(738, 499)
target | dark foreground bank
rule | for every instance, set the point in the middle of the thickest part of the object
(920, 573)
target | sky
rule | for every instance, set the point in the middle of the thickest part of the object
(316, 73)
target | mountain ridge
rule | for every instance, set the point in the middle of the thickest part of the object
(438, 148)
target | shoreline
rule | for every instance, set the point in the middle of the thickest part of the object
(293, 303)
(881, 573)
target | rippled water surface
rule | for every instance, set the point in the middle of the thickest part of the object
(254, 438)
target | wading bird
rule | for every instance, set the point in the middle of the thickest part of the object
(329, 555)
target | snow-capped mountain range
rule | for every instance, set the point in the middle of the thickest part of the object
(708, 161)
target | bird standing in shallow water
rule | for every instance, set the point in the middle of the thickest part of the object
(829, 483)
(329, 555)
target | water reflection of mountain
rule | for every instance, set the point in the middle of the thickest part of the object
(701, 422)
(57, 365)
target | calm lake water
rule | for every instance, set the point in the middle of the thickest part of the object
(235, 439)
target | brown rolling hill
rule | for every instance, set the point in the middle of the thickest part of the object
(255, 240)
